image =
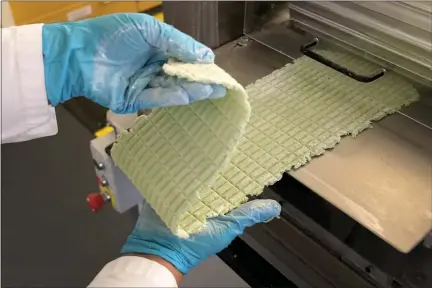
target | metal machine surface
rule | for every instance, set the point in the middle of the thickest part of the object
(383, 177)
(350, 215)
(114, 185)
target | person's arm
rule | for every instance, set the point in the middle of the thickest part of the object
(25, 112)
(137, 271)
(176, 273)
(154, 257)
(114, 60)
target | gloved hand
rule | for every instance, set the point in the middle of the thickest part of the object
(152, 237)
(113, 59)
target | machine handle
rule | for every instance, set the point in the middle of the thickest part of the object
(361, 78)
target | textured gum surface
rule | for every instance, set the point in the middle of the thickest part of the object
(202, 160)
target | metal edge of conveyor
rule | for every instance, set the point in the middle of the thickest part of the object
(309, 255)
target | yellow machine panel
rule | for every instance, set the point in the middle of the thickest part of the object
(62, 11)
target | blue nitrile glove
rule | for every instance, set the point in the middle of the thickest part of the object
(111, 60)
(152, 237)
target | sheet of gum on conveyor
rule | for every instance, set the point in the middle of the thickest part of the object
(298, 112)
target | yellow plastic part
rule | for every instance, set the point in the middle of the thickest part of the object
(147, 5)
(106, 190)
(159, 16)
(104, 131)
(27, 12)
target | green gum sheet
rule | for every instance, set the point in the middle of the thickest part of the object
(202, 160)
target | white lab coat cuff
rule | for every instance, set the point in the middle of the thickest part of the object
(26, 113)
(134, 271)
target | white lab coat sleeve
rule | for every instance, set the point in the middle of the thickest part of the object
(26, 114)
(25, 111)
(134, 271)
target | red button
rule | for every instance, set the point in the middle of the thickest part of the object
(95, 201)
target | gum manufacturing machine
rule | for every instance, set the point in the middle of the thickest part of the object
(320, 240)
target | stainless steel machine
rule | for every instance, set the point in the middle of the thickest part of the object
(361, 214)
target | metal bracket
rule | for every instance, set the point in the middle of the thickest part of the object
(361, 78)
